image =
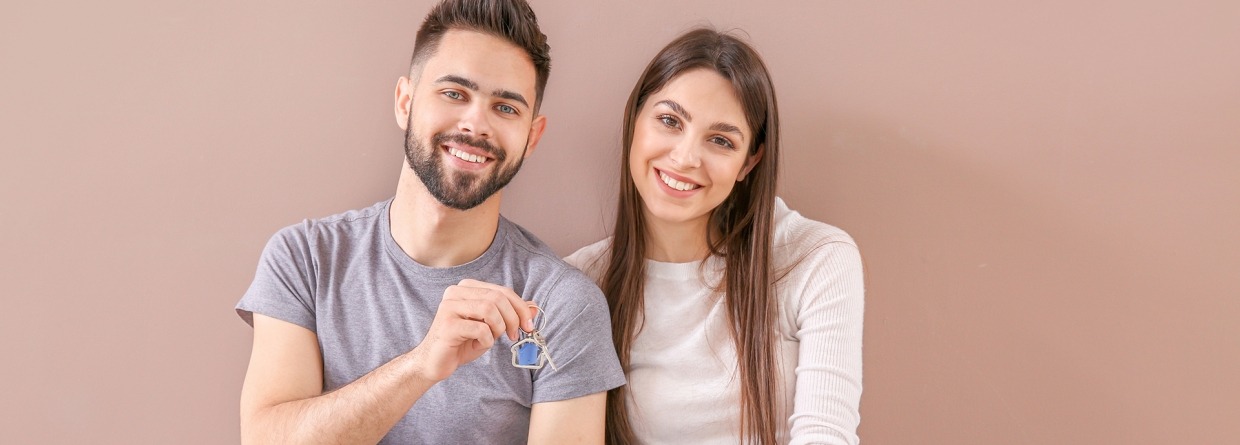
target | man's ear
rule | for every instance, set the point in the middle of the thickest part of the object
(536, 131)
(404, 101)
(751, 162)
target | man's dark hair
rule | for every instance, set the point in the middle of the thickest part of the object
(511, 20)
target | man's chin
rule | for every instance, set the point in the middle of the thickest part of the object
(463, 190)
(460, 204)
(463, 199)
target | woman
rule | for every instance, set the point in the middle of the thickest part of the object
(736, 319)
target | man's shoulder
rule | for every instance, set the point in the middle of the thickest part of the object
(542, 262)
(348, 221)
(344, 225)
(528, 247)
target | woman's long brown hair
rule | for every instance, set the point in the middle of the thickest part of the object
(740, 231)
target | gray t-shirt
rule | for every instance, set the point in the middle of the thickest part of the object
(345, 278)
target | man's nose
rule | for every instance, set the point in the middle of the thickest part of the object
(476, 121)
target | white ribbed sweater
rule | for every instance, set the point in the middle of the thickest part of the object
(682, 378)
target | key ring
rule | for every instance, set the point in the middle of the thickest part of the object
(537, 326)
(531, 351)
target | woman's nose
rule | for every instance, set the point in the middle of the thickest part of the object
(684, 155)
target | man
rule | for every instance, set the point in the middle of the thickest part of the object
(394, 323)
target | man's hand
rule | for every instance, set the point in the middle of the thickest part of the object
(472, 315)
(282, 398)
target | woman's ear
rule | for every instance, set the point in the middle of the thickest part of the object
(751, 162)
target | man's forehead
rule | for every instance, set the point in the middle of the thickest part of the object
(491, 62)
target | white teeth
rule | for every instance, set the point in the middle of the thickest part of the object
(466, 156)
(682, 186)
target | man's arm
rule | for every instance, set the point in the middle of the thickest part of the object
(573, 421)
(282, 400)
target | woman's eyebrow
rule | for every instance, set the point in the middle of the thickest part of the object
(727, 128)
(717, 126)
(676, 107)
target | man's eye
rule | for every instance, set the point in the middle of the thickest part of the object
(455, 95)
(506, 109)
(669, 121)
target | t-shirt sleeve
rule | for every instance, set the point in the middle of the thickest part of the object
(828, 373)
(578, 336)
(283, 286)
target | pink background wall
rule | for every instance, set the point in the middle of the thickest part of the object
(1046, 194)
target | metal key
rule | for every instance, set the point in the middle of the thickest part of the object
(546, 352)
(531, 351)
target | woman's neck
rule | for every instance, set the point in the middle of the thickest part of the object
(676, 242)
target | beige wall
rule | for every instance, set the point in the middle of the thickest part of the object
(1047, 196)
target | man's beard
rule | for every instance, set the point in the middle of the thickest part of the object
(467, 190)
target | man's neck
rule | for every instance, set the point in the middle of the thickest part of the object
(435, 235)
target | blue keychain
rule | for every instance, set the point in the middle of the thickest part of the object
(531, 352)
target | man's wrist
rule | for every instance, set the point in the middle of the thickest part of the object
(415, 364)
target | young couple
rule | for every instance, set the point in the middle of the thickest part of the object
(429, 318)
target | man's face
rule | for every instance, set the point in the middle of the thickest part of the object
(471, 118)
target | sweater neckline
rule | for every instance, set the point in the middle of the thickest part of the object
(660, 269)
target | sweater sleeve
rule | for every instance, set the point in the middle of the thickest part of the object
(828, 291)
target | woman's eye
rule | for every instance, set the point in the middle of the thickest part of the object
(506, 109)
(722, 141)
(669, 121)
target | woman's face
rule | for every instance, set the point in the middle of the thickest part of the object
(690, 147)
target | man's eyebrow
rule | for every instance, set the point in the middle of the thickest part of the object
(677, 108)
(727, 128)
(452, 78)
(513, 96)
(504, 94)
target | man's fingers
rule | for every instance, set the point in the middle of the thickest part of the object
(519, 305)
(468, 334)
(477, 310)
(480, 336)
(511, 306)
(470, 317)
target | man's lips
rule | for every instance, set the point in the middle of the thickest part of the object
(467, 155)
(467, 148)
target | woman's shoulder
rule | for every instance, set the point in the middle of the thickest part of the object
(815, 263)
(804, 247)
(591, 259)
(796, 233)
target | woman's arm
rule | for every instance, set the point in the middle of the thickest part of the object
(829, 293)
